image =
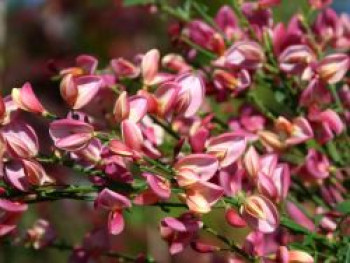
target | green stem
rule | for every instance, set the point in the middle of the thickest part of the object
(205, 52)
(166, 127)
(233, 247)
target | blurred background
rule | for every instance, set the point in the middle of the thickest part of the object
(36, 34)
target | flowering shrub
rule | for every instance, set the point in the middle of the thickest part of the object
(250, 119)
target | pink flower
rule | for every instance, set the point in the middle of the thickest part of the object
(79, 91)
(333, 68)
(297, 131)
(326, 124)
(244, 54)
(114, 203)
(284, 255)
(205, 36)
(20, 139)
(201, 196)
(315, 93)
(71, 135)
(236, 82)
(259, 18)
(319, 4)
(202, 165)
(87, 63)
(251, 161)
(133, 108)
(228, 22)
(227, 147)
(124, 68)
(175, 63)
(260, 214)
(24, 173)
(166, 96)
(41, 234)
(295, 59)
(150, 65)
(159, 190)
(317, 164)
(9, 215)
(179, 232)
(132, 135)
(326, 25)
(190, 95)
(275, 186)
(26, 100)
(150, 69)
(91, 154)
(231, 179)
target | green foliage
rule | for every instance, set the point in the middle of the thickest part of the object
(137, 2)
(344, 207)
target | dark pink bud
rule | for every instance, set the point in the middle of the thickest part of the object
(202, 247)
(234, 219)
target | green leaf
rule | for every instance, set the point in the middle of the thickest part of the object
(137, 2)
(286, 222)
(347, 257)
(344, 207)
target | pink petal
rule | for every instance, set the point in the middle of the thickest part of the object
(87, 63)
(192, 87)
(138, 108)
(149, 65)
(115, 222)
(87, 87)
(132, 135)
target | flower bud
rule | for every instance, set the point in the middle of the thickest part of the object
(234, 219)
(202, 247)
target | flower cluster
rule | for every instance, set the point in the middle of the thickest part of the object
(249, 119)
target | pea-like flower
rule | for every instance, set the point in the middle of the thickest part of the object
(114, 203)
